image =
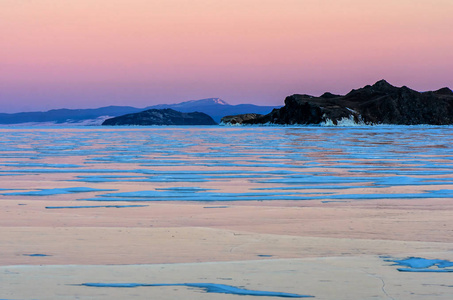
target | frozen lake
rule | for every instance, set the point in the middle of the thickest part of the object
(110, 164)
(216, 212)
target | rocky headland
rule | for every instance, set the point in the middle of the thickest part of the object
(381, 103)
(162, 117)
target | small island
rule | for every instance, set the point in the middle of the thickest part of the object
(165, 116)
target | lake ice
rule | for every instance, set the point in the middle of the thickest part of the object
(207, 163)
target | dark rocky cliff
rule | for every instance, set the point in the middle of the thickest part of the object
(162, 117)
(380, 103)
(239, 119)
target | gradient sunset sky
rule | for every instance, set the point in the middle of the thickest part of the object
(93, 53)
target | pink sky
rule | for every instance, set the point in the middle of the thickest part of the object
(93, 53)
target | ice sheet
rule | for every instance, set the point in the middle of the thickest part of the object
(270, 163)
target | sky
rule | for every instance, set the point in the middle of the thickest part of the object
(94, 53)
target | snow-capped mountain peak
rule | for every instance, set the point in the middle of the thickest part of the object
(219, 101)
(207, 101)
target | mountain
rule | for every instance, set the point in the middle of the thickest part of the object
(192, 104)
(68, 116)
(214, 107)
(381, 103)
(166, 116)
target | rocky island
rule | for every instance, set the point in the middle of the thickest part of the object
(381, 103)
(166, 116)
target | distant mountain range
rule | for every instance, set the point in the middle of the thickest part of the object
(214, 107)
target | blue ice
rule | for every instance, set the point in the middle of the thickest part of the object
(175, 195)
(426, 194)
(41, 165)
(419, 172)
(308, 187)
(75, 171)
(418, 264)
(207, 287)
(329, 181)
(323, 179)
(109, 178)
(94, 206)
(186, 189)
(58, 191)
